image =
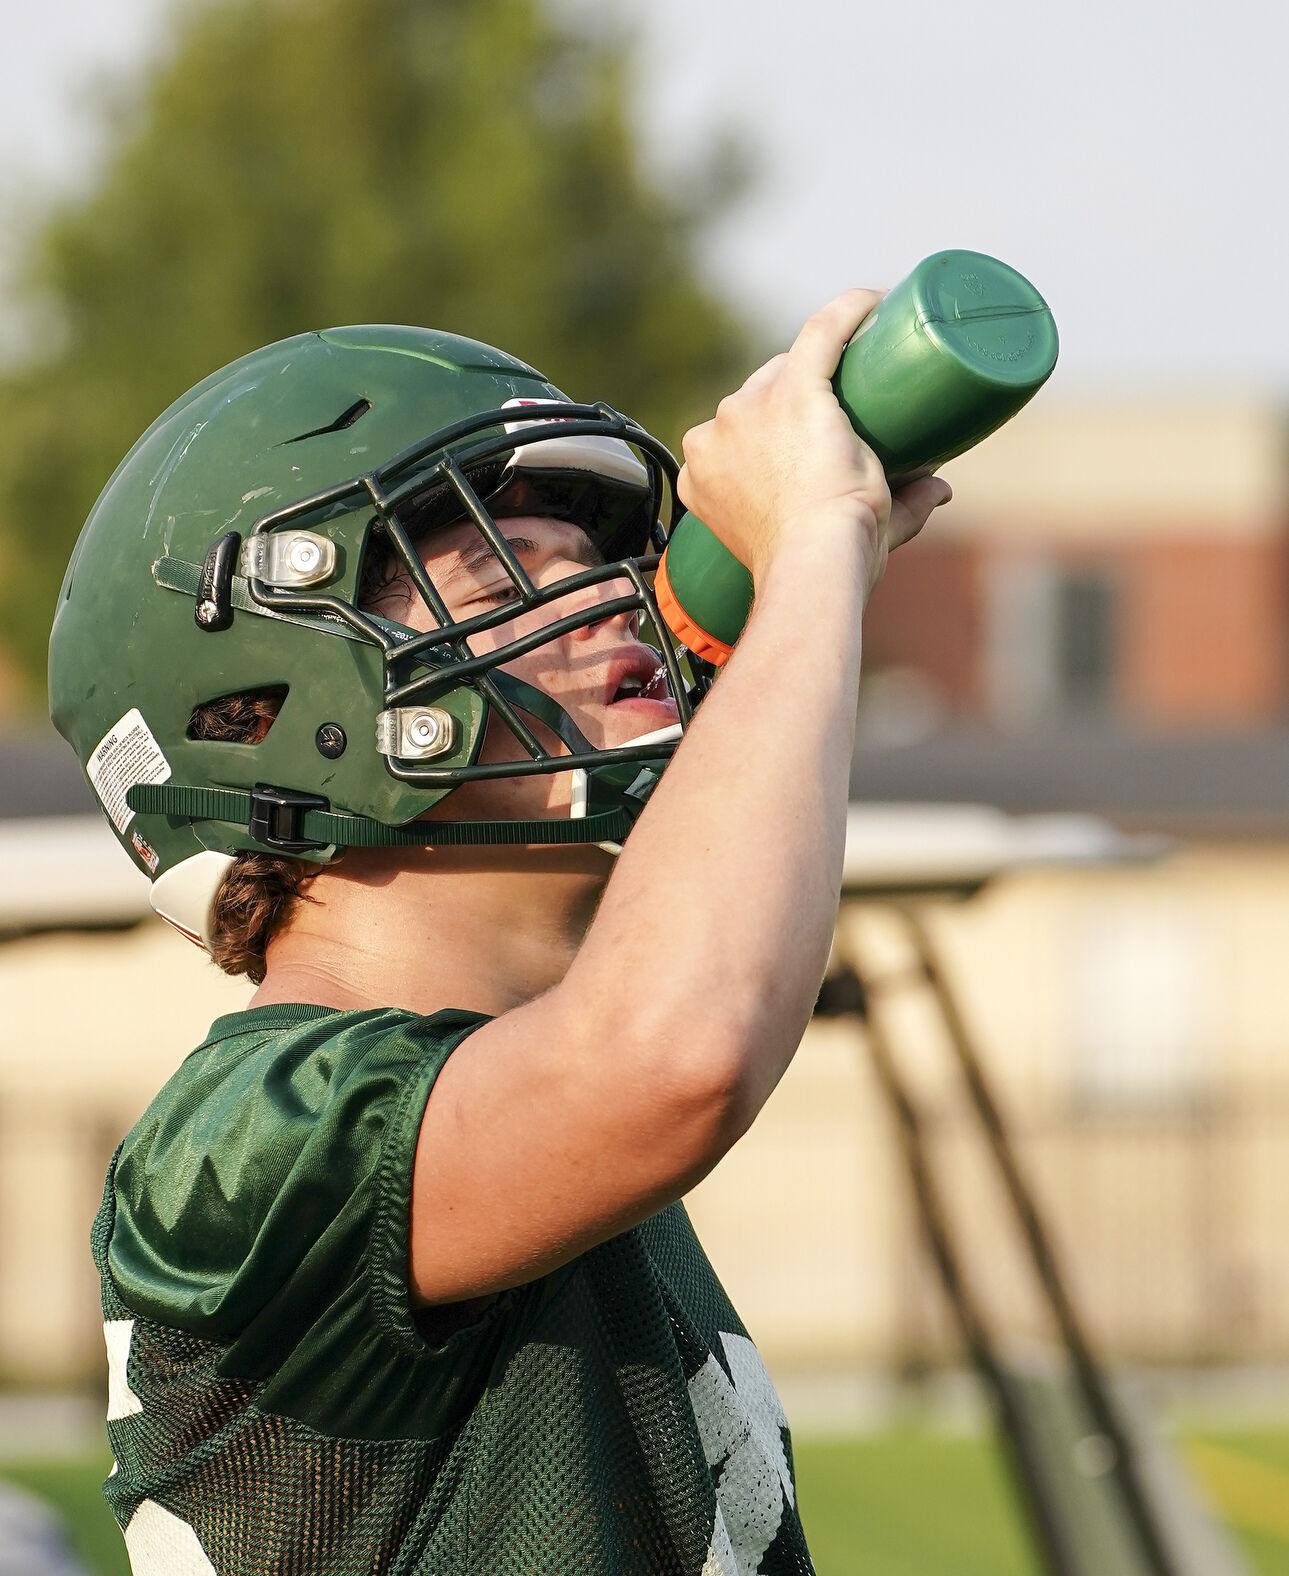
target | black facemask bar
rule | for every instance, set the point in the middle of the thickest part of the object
(443, 654)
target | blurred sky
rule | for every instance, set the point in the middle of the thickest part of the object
(1130, 157)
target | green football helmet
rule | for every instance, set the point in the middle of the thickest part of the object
(225, 556)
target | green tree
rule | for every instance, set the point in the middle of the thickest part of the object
(291, 164)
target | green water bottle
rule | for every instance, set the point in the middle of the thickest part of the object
(949, 355)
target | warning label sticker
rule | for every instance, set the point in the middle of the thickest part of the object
(127, 754)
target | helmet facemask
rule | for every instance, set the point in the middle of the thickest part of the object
(457, 476)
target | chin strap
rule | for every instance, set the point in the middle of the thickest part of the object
(185, 896)
(297, 823)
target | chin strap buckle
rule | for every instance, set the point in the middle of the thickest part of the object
(277, 815)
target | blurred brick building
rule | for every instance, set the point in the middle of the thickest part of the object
(1118, 564)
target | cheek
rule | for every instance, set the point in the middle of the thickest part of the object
(545, 666)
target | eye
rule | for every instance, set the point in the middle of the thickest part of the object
(508, 595)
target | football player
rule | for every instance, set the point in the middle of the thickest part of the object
(360, 653)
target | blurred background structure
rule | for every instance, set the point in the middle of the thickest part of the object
(644, 201)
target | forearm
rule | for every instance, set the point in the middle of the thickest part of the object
(723, 903)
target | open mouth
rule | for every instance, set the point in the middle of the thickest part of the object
(638, 686)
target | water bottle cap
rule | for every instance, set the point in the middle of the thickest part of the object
(686, 630)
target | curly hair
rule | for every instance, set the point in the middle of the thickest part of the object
(260, 891)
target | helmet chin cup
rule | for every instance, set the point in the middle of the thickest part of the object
(668, 735)
(184, 895)
(646, 777)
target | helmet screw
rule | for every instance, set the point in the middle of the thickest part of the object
(331, 740)
(425, 730)
(206, 612)
(303, 556)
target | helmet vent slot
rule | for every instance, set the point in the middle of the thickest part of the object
(243, 718)
(346, 418)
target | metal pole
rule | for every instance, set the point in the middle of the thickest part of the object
(847, 995)
(1091, 1381)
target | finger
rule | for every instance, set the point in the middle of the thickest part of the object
(911, 507)
(928, 492)
(817, 348)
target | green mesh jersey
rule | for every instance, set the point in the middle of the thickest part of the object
(278, 1408)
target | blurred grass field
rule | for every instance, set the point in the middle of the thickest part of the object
(909, 1502)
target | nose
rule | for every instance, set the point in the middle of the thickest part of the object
(606, 591)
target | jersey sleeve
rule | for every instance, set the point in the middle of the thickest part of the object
(264, 1205)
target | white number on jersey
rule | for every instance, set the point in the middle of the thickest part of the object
(739, 1424)
(158, 1542)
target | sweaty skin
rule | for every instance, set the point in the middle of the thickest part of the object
(640, 1022)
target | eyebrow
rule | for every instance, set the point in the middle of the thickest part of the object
(481, 554)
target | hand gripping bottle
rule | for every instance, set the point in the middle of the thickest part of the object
(950, 354)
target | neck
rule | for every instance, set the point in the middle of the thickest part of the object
(483, 929)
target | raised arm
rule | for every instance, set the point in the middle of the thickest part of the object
(576, 1116)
